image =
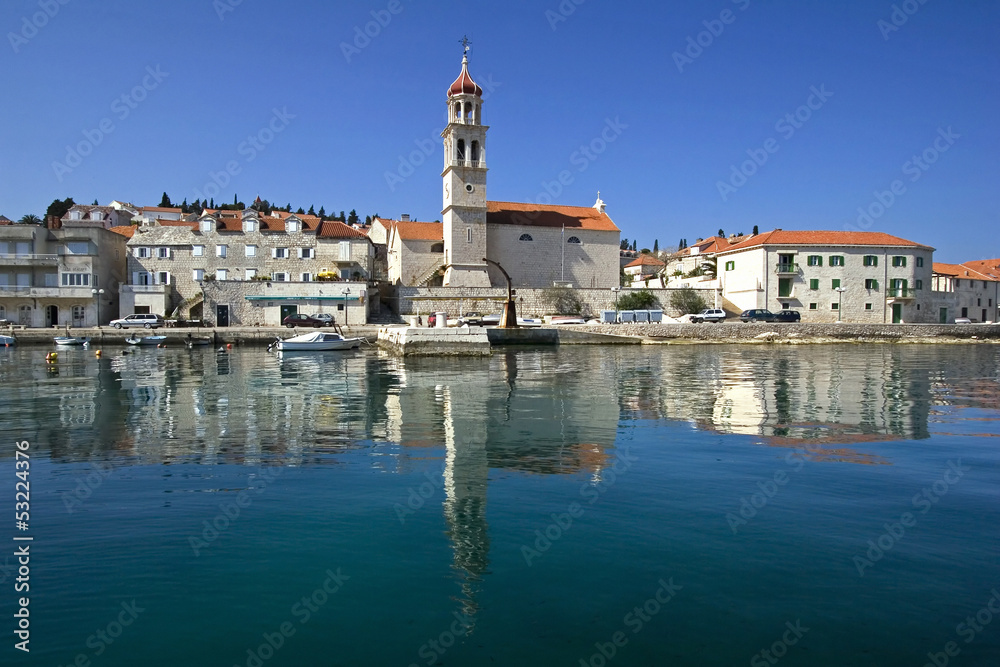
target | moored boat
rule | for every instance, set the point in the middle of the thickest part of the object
(192, 341)
(72, 340)
(145, 340)
(315, 341)
(7, 340)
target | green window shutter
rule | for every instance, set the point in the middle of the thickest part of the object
(836, 283)
(814, 283)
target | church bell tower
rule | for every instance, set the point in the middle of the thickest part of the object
(464, 176)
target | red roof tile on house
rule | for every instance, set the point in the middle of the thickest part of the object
(177, 223)
(128, 231)
(988, 268)
(824, 238)
(158, 209)
(645, 260)
(979, 270)
(4, 220)
(538, 215)
(418, 231)
(334, 229)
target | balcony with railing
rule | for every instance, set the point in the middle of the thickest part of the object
(27, 259)
(50, 292)
(480, 164)
(900, 293)
(786, 267)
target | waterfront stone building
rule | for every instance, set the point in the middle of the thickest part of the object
(539, 245)
(830, 276)
(61, 275)
(171, 263)
(970, 290)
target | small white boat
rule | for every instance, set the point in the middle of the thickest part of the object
(72, 340)
(567, 319)
(191, 341)
(145, 340)
(316, 341)
(7, 340)
(529, 322)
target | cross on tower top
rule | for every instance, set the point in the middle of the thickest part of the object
(465, 42)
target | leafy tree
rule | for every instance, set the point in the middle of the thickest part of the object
(368, 220)
(29, 219)
(641, 300)
(644, 251)
(300, 211)
(564, 301)
(312, 211)
(686, 300)
(352, 219)
(656, 246)
(635, 244)
(322, 212)
(59, 208)
(342, 217)
(211, 205)
(236, 200)
(184, 206)
(623, 245)
(95, 203)
(165, 201)
(755, 231)
(722, 234)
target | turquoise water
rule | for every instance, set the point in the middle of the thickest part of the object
(688, 505)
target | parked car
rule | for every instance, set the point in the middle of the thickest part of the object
(327, 319)
(144, 320)
(788, 316)
(709, 315)
(757, 315)
(303, 320)
(963, 320)
(473, 319)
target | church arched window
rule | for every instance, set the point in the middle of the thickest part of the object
(526, 237)
(475, 151)
(461, 149)
(573, 239)
(458, 112)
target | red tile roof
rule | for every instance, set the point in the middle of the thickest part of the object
(158, 209)
(128, 231)
(645, 260)
(417, 231)
(538, 215)
(4, 220)
(177, 223)
(334, 229)
(979, 270)
(824, 238)
(713, 244)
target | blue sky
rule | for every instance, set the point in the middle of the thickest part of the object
(684, 108)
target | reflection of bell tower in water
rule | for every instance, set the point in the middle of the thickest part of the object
(466, 473)
(464, 176)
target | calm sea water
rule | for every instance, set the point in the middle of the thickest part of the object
(680, 505)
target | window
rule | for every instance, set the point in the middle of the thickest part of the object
(142, 253)
(220, 274)
(812, 306)
(162, 278)
(984, 284)
(814, 283)
(221, 250)
(573, 239)
(345, 251)
(140, 278)
(3, 312)
(834, 306)
(524, 237)
(292, 225)
(468, 234)
(836, 260)
(250, 226)
(75, 215)
(250, 274)
(78, 314)
(96, 215)
(870, 260)
(307, 277)
(77, 248)
(898, 261)
(73, 279)
(920, 262)
(437, 248)
(198, 251)
(206, 226)
(835, 283)
(306, 253)
(918, 284)
(280, 277)
(814, 260)
(251, 250)
(730, 265)
(868, 306)
(871, 283)
(279, 253)
(163, 253)
(958, 283)
(979, 302)
(198, 275)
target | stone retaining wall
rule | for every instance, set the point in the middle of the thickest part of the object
(733, 332)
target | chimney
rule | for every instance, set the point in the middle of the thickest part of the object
(404, 217)
(54, 222)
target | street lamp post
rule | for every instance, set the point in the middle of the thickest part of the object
(840, 303)
(97, 296)
(616, 290)
(347, 293)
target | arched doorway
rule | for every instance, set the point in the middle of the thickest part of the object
(51, 316)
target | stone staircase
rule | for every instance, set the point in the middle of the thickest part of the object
(429, 276)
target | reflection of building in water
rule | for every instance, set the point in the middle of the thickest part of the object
(518, 410)
(837, 395)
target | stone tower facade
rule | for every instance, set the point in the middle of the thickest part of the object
(464, 182)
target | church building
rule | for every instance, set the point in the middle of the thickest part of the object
(539, 245)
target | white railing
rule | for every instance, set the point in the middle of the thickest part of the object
(32, 257)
